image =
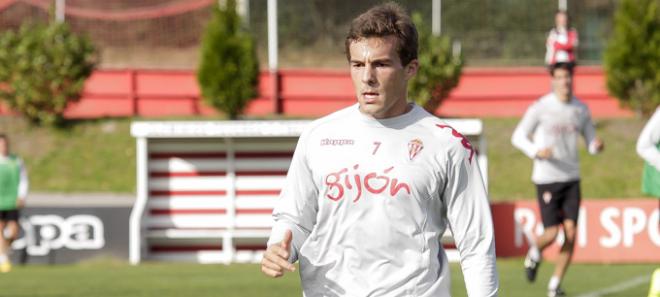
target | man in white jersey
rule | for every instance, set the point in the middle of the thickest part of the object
(648, 147)
(372, 187)
(555, 121)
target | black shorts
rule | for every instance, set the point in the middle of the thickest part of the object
(559, 202)
(9, 215)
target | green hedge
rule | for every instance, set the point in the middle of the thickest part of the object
(228, 73)
(439, 71)
(43, 68)
(632, 58)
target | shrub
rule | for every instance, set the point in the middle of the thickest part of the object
(228, 74)
(632, 57)
(43, 68)
(439, 70)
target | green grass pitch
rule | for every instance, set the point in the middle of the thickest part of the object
(114, 278)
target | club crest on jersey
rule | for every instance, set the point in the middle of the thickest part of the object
(414, 147)
(547, 197)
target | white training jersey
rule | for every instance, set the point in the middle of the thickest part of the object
(557, 125)
(368, 200)
(649, 139)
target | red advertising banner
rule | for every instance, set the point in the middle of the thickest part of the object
(609, 231)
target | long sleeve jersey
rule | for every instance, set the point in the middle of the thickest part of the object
(561, 46)
(13, 182)
(649, 140)
(368, 200)
(555, 124)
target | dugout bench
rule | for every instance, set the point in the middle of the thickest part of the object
(206, 190)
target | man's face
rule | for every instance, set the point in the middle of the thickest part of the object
(4, 147)
(379, 78)
(562, 84)
(561, 20)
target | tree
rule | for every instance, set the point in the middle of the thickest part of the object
(228, 74)
(43, 68)
(632, 57)
(439, 70)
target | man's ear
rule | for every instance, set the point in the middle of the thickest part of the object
(411, 69)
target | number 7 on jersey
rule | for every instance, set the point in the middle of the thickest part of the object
(376, 146)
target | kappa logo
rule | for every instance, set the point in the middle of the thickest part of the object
(414, 147)
(339, 142)
(547, 197)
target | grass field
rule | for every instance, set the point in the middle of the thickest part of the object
(99, 156)
(113, 278)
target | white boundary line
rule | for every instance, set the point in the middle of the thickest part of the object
(619, 287)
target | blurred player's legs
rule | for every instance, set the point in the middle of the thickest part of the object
(533, 259)
(563, 259)
(8, 233)
(566, 252)
(5, 266)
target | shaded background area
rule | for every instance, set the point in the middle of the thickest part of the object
(166, 34)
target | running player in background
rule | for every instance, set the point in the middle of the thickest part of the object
(562, 42)
(648, 147)
(13, 190)
(373, 187)
(555, 121)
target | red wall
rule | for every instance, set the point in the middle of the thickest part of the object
(482, 92)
